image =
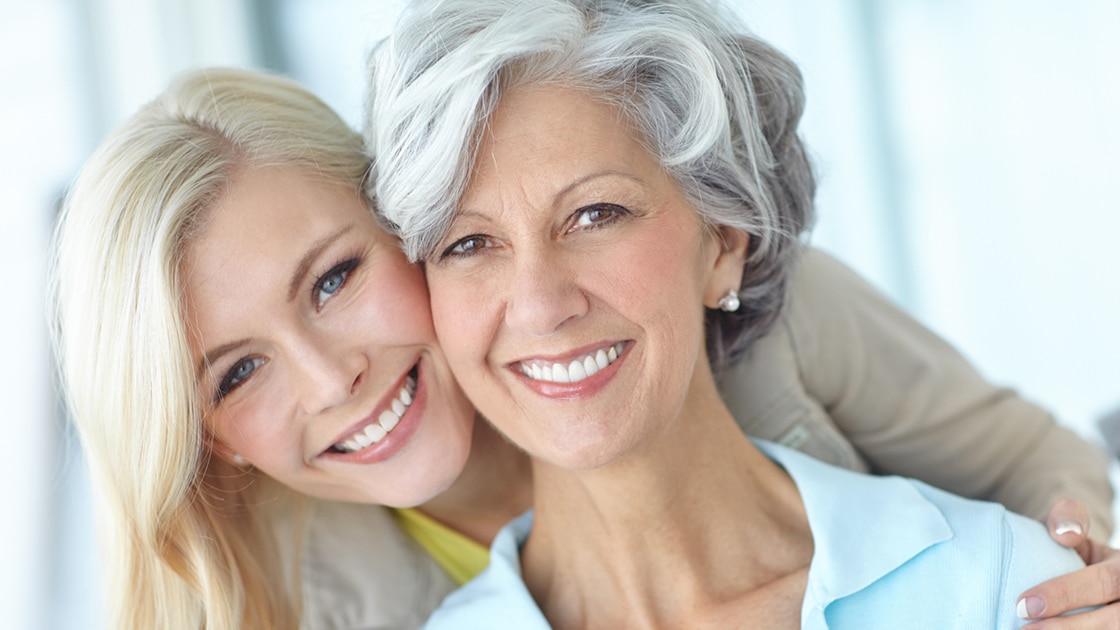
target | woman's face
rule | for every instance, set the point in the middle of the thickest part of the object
(315, 352)
(569, 293)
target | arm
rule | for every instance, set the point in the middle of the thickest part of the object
(908, 402)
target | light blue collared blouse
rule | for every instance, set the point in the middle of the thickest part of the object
(889, 553)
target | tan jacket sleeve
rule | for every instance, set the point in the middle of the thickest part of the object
(358, 570)
(846, 368)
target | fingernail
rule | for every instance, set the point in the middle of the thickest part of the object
(1030, 607)
(1065, 527)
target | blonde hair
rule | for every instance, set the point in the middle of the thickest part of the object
(184, 534)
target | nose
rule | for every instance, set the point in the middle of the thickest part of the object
(328, 371)
(543, 293)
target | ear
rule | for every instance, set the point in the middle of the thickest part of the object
(223, 450)
(727, 270)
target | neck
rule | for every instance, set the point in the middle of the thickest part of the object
(695, 520)
(495, 486)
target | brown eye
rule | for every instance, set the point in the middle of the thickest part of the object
(466, 246)
(598, 215)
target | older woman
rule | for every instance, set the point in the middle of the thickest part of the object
(608, 196)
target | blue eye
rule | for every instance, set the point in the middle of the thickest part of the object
(237, 375)
(329, 283)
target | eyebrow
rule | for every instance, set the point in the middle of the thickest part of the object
(305, 263)
(573, 185)
(215, 354)
(596, 175)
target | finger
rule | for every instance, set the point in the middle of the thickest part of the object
(1068, 523)
(1094, 585)
(1106, 617)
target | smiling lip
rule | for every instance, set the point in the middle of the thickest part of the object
(576, 374)
(399, 434)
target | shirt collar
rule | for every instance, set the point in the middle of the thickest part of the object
(845, 510)
(502, 578)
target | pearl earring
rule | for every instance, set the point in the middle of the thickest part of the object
(238, 459)
(729, 302)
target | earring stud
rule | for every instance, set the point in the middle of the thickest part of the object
(730, 302)
(238, 459)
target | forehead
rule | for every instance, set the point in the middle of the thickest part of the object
(267, 215)
(543, 138)
(558, 115)
(278, 200)
(252, 235)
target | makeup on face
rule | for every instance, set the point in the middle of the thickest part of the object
(314, 346)
(568, 295)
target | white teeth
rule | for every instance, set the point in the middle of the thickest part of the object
(374, 432)
(387, 420)
(577, 370)
(560, 373)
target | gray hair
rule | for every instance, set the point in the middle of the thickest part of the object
(717, 107)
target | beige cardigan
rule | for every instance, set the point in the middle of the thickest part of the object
(845, 376)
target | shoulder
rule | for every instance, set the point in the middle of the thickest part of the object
(1019, 551)
(891, 550)
(822, 280)
(992, 557)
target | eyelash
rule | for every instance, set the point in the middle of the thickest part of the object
(451, 253)
(344, 268)
(228, 385)
(616, 213)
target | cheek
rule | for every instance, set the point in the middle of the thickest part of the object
(253, 430)
(458, 316)
(657, 271)
(394, 304)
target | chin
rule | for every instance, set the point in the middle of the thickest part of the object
(427, 484)
(584, 447)
(586, 457)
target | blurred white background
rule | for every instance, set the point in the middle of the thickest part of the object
(968, 154)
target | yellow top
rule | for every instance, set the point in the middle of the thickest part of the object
(460, 556)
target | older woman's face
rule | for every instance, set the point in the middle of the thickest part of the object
(314, 347)
(569, 293)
